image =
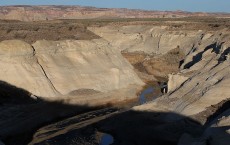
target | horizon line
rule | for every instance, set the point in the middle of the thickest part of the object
(21, 5)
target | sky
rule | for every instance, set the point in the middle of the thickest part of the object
(185, 5)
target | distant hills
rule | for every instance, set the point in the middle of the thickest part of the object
(36, 13)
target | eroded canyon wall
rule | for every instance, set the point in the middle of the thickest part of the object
(55, 68)
(202, 89)
(147, 38)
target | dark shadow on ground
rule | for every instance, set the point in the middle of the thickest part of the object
(224, 55)
(222, 108)
(21, 114)
(149, 128)
(19, 122)
(128, 128)
(12, 95)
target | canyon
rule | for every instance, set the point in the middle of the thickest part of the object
(70, 81)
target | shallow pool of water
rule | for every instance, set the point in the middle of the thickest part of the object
(143, 94)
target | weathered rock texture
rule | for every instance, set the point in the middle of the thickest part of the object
(55, 68)
(148, 39)
(175, 81)
(206, 68)
(164, 48)
(206, 63)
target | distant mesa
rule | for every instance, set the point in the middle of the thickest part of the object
(36, 13)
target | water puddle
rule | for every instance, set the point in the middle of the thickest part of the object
(106, 139)
(143, 96)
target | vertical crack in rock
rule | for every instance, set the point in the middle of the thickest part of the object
(47, 77)
(158, 44)
(44, 72)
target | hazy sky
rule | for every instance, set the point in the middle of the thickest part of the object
(187, 5)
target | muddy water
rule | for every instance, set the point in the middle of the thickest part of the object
(148, 91)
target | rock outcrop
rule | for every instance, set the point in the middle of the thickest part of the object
(56, 68)
(216, 133)
(148, 39)
(206, 69)
(175, 81)
(202, 82)
(20, 68)
(162, 45)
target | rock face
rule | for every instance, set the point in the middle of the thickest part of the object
(20, 68)
(206, 69)
(219, 130)
(148, 39)
(202, 82)
(175, 81)
(216, 133)
(51, 69)
(163, 45)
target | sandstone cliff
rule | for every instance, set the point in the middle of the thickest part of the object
(55, 68)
